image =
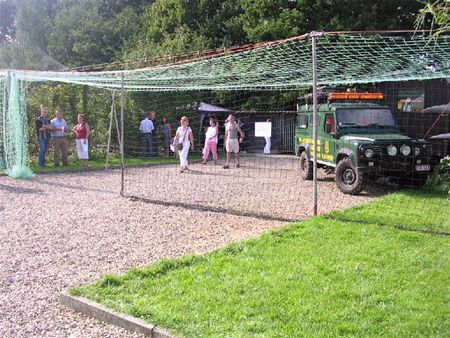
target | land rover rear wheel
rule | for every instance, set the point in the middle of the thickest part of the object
(348, 178)
(306, 168)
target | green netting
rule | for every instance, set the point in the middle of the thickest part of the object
(2, 117)
(342, 59)
(349, 58)
(14, 128)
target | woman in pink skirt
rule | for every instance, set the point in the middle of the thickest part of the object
(211, 140)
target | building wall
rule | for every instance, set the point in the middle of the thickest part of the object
(411, 120)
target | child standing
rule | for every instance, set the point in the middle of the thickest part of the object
(183, 141)
(211, 139)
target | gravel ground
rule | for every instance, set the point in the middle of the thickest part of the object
(61, 230)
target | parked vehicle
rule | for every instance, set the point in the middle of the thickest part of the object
(359, 139)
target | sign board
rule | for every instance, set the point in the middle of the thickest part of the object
(263, 129)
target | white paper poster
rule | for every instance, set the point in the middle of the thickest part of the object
(263, 129)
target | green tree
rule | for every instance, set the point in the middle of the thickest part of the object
(434, 15)
(264, 20)
(81, 35)
(28, 48)
(178, 26)
(7, 17)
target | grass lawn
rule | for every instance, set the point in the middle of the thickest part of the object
(317, 278)
(414, 209)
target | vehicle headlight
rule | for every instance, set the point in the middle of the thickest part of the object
(369, 153)
(405, 150)
(416, 151)
(392, 150)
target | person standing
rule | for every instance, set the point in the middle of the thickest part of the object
(211, 140)
(59, 129)
(231, 142)
(166, 133)
(155, 140)
(268, 141)
(43, 133)
(146, 128)
(183, 141)
(81, 131)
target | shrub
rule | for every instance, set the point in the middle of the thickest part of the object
(440, 178)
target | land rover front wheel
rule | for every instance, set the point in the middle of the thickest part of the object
(306, 168)
(348, 178)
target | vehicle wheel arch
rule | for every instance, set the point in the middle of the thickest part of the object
(303, 147)
(344, 153)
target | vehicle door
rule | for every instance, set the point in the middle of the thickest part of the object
(328, 144)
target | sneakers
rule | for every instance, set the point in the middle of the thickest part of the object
(204, 162)
(237, 165)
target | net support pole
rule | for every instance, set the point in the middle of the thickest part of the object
(122, 161)
(315, 105)
(113, 108)
(3, 129)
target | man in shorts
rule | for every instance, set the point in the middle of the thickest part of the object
(231, 141)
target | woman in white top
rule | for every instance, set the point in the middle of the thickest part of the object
(211, 139)
(183, 141)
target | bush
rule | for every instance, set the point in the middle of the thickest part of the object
(440, 178)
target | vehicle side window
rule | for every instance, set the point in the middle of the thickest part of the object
(329, 121)
(302, 121)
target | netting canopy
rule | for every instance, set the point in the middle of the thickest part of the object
(342, 58)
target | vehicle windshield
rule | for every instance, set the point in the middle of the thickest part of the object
(365, 118)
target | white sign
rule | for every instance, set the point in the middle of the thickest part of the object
(263, 129)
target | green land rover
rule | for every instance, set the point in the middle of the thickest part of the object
(360, 141)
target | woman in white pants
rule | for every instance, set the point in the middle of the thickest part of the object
(267, 146)
(268, 142)
(183, 141)
(81, 131)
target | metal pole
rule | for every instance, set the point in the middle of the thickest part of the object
(314, 80)
(6, 140)
(113, 108)
(122, 161)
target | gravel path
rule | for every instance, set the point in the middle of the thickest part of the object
(57, 231)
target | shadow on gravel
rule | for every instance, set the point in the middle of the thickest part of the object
(78, 187)
(212, 209)
(19, 190)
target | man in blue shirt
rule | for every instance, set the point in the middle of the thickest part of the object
(59, 129)
(146, 128)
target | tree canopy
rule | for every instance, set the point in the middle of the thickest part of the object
(51, 34)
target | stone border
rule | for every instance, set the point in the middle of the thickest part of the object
(104, 314)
